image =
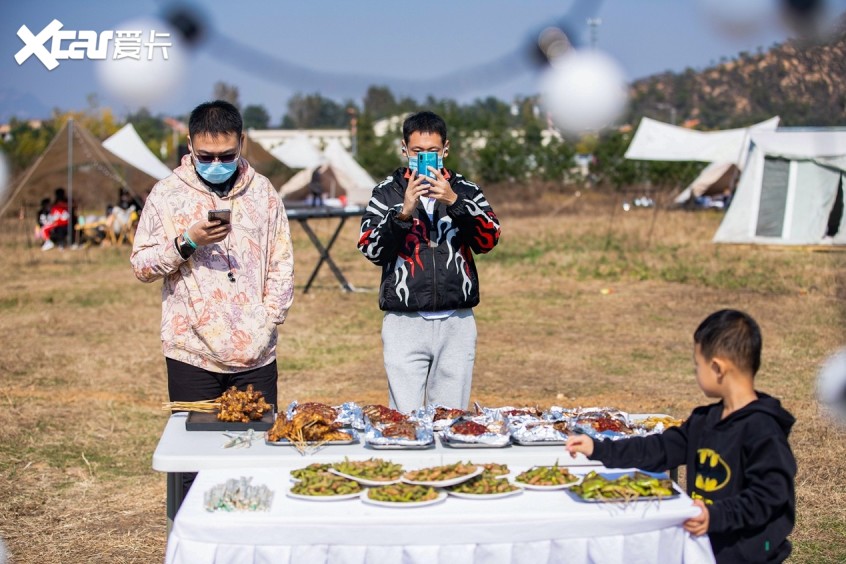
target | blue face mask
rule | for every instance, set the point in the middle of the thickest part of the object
(216, 172)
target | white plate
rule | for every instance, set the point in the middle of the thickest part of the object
(285, 442)
(540, 442)
(537, 487)
(451, 443)
(464, 495)
(401, 446)
(441, 496)
(365, 481)
(444, 483)
(324, 497)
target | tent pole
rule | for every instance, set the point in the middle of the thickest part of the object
(29, 172)
(96, 148)
(70, 182)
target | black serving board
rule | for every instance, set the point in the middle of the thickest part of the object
(200, 421)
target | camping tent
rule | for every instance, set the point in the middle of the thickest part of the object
(341, 175)
(92, 181)
(265, 163)
(298, 152)
(715, 179)
(791, 190)
(657, 141)
(127, 145)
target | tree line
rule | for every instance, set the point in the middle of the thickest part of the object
(490, 140)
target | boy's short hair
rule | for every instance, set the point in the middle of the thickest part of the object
(733, 335)
(215, 118)
(424, 122)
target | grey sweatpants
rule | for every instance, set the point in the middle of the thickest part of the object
(429, 361)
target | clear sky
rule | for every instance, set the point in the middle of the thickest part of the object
(272, 49)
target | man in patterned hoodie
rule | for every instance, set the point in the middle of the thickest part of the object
(227, 285)
(423, 230)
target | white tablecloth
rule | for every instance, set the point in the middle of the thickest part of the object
(191, 451)
(531, 527)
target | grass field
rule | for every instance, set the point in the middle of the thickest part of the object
(582, 304)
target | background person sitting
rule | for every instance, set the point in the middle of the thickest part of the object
(121, 215)
(55, 232)
(42, 219)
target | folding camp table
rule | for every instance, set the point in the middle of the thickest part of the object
(303, 215)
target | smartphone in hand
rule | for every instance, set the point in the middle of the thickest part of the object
(425, 160)
(223, 216)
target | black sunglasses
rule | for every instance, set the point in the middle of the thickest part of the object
(224, 158)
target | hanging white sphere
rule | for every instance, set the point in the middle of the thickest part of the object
(831, 384)
(151, 77)
(584, 91)
(5, 181)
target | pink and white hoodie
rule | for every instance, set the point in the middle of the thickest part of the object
(207, 320)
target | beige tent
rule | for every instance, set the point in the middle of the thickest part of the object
(266, 164)
(92, 180)
(715, 179)
(341, 176)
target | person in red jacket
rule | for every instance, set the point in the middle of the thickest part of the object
(55, 231)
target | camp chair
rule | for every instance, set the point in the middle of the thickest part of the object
(127, 232)
(89, 233)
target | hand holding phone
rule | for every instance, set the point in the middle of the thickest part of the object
(426, 159)
(223, 216)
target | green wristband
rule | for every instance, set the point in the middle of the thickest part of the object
(188, 240)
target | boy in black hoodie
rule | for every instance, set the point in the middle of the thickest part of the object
(740, 468)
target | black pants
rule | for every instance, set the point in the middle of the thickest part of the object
(190, 383)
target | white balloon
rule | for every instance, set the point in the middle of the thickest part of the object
(584, 91)
(145, 81)
(5, 181)
(831, 384)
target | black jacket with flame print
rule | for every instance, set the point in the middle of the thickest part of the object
(427, 265)
(741, 467)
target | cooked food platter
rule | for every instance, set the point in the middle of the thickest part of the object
(485, 486)
(623, 487)
(442, 476)
(403, 495)
(547, 478)
(371, 472)
(324, 486)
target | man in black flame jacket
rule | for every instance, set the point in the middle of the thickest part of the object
(423, 230)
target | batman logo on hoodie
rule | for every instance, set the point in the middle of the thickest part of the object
(712, 472)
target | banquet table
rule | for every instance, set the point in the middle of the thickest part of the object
(181, 451)
(533, 526)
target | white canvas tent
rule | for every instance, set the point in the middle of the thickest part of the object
(715, 178)
(657, 141)
(341, 175)
(298, 152)
(127, 145)
(791, 190)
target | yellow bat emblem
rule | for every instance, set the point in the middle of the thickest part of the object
(712, 472)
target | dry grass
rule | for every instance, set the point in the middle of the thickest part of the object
(82, 376)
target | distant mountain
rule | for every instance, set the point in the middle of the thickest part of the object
(803, 82)
(21, 105)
